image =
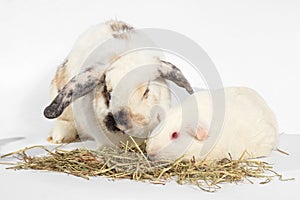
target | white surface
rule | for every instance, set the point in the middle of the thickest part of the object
(35, 185)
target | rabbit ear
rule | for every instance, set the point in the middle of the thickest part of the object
(172, 73)
(78, 86)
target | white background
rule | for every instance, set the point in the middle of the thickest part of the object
(252, 43)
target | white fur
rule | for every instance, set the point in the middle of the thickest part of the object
(249, 124)
(65, 130)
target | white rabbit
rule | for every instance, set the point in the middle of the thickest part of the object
(122, 105)
(249, 126)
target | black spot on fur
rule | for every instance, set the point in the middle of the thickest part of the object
(120, 26)
(110, 123)
(58, 105)
(170, 64)
(122, 118)
(105, 92)
(70, 92)
(175, 75)
(146, 93)
(120, 29)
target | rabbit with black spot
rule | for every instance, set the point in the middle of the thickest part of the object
(122, 106)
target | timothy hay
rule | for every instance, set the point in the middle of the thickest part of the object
(129, 162)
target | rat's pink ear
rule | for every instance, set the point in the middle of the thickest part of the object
(201, 133)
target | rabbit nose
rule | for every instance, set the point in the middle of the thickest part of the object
(122, 119)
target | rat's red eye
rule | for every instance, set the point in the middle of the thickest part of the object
(174, 135)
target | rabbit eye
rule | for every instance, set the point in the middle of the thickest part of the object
(174, 135)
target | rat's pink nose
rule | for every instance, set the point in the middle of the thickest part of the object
(151, 156)
(151, 153)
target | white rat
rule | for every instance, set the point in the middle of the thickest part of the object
(115, 101)
(188, 130)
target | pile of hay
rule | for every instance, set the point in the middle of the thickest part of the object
(131, 163)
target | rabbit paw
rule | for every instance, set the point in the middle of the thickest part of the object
(63, 132)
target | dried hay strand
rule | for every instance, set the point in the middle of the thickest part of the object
(130, 162)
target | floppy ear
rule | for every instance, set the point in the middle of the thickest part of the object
(172, 73)
(78, 86)
(200, 134)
